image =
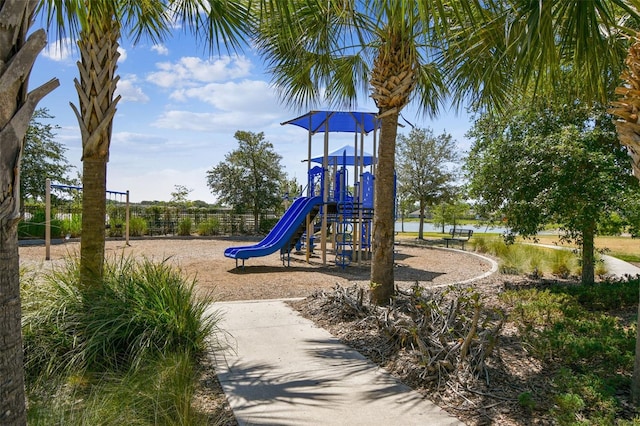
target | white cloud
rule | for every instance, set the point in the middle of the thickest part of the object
(137, 141)
(247, 95)
(123, 54)
(190, 71)
(131, 92)
(160, 49)
(214, 122)
(59, 50)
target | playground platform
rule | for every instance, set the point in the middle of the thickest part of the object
(281, 369)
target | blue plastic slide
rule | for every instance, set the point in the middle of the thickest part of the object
(290, 224)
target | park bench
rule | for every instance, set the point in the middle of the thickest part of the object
(457, 235)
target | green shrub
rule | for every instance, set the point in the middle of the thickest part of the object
(267, 224)
(184, 226)
(605, 295)
(117, 219)
(116, 227)
(35, 226)
(596, 342)
(535, 309)
(556, 326)
(596, 350)
(211, 226)
(586, 397)
(526, 401)
(137, 226)
(72, 227)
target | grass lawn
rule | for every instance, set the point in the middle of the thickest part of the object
(624, 248)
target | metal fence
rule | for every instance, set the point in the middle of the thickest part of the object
(153, 220)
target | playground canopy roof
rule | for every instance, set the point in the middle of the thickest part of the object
(336, 121)
(345, 156)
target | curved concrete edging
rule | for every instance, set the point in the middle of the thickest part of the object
(493, 263)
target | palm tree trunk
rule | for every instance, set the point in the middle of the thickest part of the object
(12, 397)
(628, 129)
(99, 51)
(94, 186)
(382, 271)
(17, 56)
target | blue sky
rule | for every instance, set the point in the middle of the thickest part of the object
(179, 111)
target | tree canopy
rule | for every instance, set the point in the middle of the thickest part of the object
(250, 178)
(426, 170)
(550, 162)
(43, 158)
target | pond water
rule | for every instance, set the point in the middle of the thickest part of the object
(430, 227)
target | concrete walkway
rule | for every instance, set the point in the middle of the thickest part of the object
(619, 268)
(616, 268)
(283, 370)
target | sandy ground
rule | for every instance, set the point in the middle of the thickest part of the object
(266, 277)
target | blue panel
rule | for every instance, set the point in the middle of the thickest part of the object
(367, 190)
(337, 121)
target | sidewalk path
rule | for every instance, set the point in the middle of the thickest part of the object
(286, 371)
(616, 268)
(619, 268)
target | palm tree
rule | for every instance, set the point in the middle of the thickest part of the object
(98, 26)
(512, 47)
(335, 51)
(17, 56)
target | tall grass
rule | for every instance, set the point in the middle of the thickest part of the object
(158, 393)
(123, 353)
(519, 259)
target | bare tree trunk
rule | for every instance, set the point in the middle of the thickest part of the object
(99, 50)
(382, 272)
(17, 56)
(421, 226)
(588, 254)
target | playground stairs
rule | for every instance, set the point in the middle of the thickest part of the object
(344, 244)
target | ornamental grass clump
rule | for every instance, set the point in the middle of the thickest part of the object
(142, 309)
(129, 347)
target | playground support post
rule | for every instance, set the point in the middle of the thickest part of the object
(308, 223)
(325, 190)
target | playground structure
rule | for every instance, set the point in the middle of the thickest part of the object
(47, 233)
(335, 204)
